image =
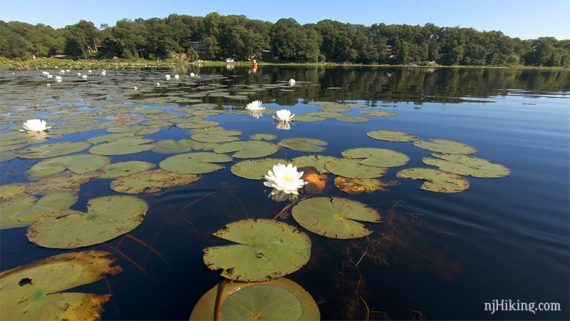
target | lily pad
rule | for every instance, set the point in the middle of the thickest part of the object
(195, 163)
(66, 181)
(171, 146)
(467, 165)
(263, 302)
(316, 161)
(125, 146)
(391, 135)
(256, 304)
(52, 150)
(107, 218)
(362, 185)
(335, 217)
(265, 249)
(303, 144)
(436, 180)
(255, 168)
(152, 181)
(24, 211)
(352, 168)
(124, 168)
(445, 146)
(248, 149)
(263, 137)
(40, 297)
(378, 113)
(377, 157)
(109, 138)
(316, 181)
(79, 164)
(216, 136)
(10, 191)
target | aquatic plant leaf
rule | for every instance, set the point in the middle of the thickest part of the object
(316, 181)
(11, 210)
(10, 191)
(40, 298)
(65, 181)
(335, 217)
(14, 215)
(391, 135)
(467, 165)
(377, 157)
(79, 164)
(316, 161)
(261, 136)
(204, 309)
(265, 302)
(362, 185)
(435, 180)
(151, 181)
(106, 218)
(109, 138)
(378, 113)
(6, 156)
(255, 168)
(216, 136)
(194, 163)
(52, 150)
(351, 119)
(171, 146)
(265, 249)
(124, 168)
(304, 144)
(352, 168)
(248, 149)
(445, 146)
(124, 146)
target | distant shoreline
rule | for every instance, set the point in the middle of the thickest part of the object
(125, 64)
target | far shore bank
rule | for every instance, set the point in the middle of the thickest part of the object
(51, 63)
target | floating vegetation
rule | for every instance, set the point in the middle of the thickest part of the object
(255, 168)
(123, 146)
(377, 157)
(335, 217)
(106, 218)
(247, 149)
(264, 249)
(391, 135)
(303, 144)
(316, 181)
(195, 163)
(216, 135)
(79, 164)
(261, 136)
(35, 291)
(151, 181)
(362, 185)
(436, 180)
(124, 168)
(445, 146)
(352, 168)
(65, 181)
(316, 161)
(264, 300)
(10, 191)
(378, 113)
(467, 165)
(52, 150)
(171, 146)
(25, 210)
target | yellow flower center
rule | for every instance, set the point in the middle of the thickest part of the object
(288, 178)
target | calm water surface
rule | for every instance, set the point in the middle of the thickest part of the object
(436, 256)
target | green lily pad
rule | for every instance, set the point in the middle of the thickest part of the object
(107, 218)
(24, 211)
(352, 168)
(257, 304)
(152, 181)
(125, 146)
(255, 168)
(248, 149)
(109, 138)
(377, 157)
(263, 137)
(171, 146)
(378, 113)
(79, 164)
(6, 156)
(467, 165)
(52, 150)
(391, 135)
(195, 163)
(435, 180)
(124, 168)
(445, 146)
(41, 298)
(216, 136)
(66, 181)
(10, 191)
(361, 185)
(335, 217)
(316, 161)
(264, 302)
(303, 144)
(265, 249)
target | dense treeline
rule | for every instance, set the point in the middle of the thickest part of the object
(216, 37)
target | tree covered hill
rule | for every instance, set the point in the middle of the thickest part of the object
(216, 37)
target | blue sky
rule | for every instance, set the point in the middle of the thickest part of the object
(517, 18)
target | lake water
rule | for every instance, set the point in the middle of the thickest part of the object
(437, 256)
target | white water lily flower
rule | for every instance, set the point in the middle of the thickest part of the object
(62, 72)
(103, 72)
(84, 77)
(90, 71)
(58, 79)
(291, 82)
(285, 125)
(157, 84)
(284, 115)
(256, 113)
(49, 76)
(176, 77)
(78, 74)
(255, 106)
(167, 77)
(35, 125)
(284, 178)
(136, 88)
(192, 75)
(45, 73)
